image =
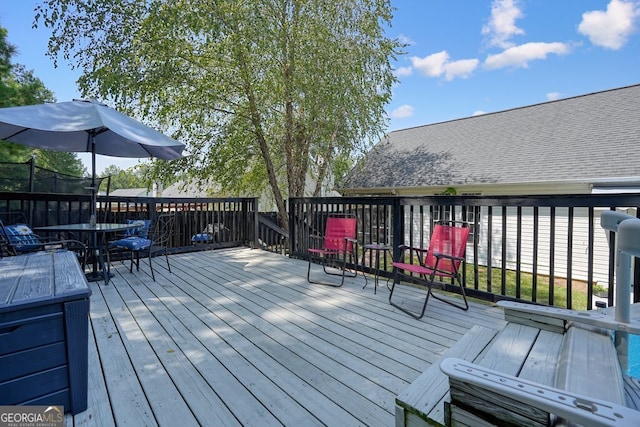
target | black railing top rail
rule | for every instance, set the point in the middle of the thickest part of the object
(160, 200)
(546, 200)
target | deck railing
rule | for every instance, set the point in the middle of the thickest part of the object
(546, 249)
(232, 221)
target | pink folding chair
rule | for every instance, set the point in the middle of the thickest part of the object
(332, 250)
(442, 259)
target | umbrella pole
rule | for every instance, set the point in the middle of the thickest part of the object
(92, 210)
(94, 190)
(97, 245)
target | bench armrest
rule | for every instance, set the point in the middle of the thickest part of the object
(589, 317)
(567, 405)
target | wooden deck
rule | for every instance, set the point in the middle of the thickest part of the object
(238, 337)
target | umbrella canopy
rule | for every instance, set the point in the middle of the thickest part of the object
(76, 126)
(85, 126)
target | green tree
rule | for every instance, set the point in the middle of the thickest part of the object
(7, 82)
(124, 178)
(265, 92)
(19, 86)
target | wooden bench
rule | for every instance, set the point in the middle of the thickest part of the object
(580, 380)
(535, 354)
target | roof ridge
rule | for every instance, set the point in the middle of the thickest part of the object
(517, 108)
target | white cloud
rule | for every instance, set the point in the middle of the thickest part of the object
(403, 71)
(478, 113)
(502, 24)
(461, 68)
(402, 111)
(438, 64)
(432, 65)
(610, 28)
(552, 96)
(519, 56)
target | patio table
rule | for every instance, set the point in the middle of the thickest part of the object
(378, 248)
(97, 234)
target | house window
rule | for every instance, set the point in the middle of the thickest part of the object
(471, 215)
(442, 213)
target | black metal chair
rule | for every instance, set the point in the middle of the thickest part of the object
(146, 241)
(17, 237)
(213, 233)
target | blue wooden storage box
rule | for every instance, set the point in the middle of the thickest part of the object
(44, 307)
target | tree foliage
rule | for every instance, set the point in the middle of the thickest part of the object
(133, 177)
(19, 86)
(264, 92)
(124, 178)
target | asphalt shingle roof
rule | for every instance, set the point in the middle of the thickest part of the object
(594, 136)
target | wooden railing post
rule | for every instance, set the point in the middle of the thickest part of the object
(292, 225)
(397, 226)
(254, 216)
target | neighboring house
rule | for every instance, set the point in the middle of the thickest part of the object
(183, 190)
(581, 145)
(126, 193)
(265, 200)
(131, 192)
(570, 146)
(175, 190)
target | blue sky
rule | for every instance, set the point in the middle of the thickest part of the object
(467, 57)
(464, 57)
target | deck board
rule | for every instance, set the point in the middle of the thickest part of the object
(238, 337)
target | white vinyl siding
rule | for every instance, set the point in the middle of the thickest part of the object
(579, 249)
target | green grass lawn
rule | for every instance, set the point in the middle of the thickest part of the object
(578, 288)
(542, 292)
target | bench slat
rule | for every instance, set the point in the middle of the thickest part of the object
(510, 348)
(540, 366)
(535, 320)
(589, 365)
(492, 407)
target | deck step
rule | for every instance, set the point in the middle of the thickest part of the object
(422, 403)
